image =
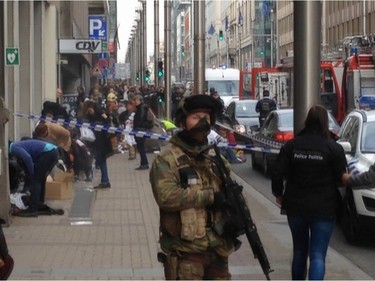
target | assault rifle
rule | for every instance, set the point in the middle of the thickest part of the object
(238, 219)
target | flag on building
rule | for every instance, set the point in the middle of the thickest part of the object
(116, 39)
(265, 9)
(240, 18)
(211, 30)
(226, 23)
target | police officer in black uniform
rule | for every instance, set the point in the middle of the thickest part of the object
(305, 181)
(265, 106)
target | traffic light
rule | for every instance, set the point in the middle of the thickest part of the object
(137, 77)
(147, 75)
(261, 52)
(160, 97)
(160, 69)
(221, 36)
(182, 51)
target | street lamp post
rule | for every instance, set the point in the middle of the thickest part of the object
(218, 53)
(227, 42)
(252, 43)
(239, 48)
(271, 38)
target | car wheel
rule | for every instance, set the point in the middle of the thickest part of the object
(350, 221)
(254, 164)
(265, 166)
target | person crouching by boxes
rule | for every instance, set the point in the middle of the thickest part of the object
(38, 158)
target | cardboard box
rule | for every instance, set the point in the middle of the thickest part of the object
(61, 188)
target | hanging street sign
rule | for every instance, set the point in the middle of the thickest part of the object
(80, 46)
(98, 27)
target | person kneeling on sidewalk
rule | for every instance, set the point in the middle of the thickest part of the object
(38, 158)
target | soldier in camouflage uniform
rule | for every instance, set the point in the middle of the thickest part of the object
(188, 190)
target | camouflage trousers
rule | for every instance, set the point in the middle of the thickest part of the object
(202, 266)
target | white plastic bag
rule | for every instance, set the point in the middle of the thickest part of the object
(87, 134)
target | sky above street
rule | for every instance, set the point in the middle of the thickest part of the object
(126, 14)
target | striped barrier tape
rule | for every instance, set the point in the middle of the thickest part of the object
(149, 135)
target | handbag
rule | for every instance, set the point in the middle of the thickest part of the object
(87, 134)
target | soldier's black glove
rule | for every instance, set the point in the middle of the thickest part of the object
(220, 202)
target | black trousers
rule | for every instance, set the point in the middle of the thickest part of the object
(42, 167)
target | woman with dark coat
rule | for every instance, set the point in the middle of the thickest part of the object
(310, 167)
(102, 144)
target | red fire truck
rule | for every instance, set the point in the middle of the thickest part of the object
(279, 81)
(254, 82)
(358, 84)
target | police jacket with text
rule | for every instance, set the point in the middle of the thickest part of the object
(310, 166)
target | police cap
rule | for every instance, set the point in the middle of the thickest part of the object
(198, 103)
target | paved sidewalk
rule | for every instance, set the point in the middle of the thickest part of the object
(118, 240)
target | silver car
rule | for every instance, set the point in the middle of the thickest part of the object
(357, 137)
(241, 115)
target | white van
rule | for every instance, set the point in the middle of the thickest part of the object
(225, 81)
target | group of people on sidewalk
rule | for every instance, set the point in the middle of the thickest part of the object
(53, 143)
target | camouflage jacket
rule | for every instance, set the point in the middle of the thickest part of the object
(183, 180)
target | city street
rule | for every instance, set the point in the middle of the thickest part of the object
(116, 235)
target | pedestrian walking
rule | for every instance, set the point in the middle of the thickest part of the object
(102, 143)
(140, 123)
(264, 106)
(38, 159)
(111, 111)
(188, 190)
(216, 95)
(80, 100)
(310, 166)
(177, 96)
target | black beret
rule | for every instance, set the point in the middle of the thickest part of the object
(196, 103)
(201, 102)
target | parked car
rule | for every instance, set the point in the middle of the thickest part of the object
(357, 137)
(277, 129)
(240, 115)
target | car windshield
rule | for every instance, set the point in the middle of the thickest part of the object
(246, 109)
(368, 137)
(224, 88)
